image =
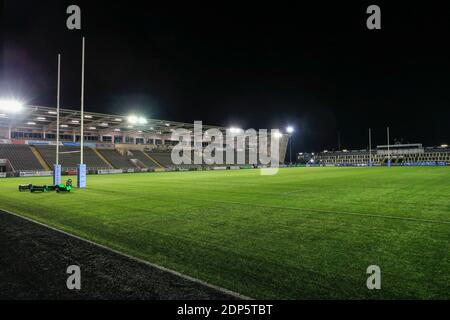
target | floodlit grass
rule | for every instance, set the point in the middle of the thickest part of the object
(303, 233)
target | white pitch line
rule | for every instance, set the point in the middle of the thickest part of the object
(176, 273)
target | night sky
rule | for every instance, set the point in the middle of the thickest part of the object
(317, 68)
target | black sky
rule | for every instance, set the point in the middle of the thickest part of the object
(256, 65)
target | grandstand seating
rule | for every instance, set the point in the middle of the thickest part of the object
(116, 159)
(20, 156)
(70, 157)
(163, 158)
(145, 160)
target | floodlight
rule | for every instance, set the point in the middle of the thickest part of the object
(12, 106)
(132, 119)
(117, 119)
(64, 126)
(75, 121)
(88, 117)
(92, 128)
(444, 145)
(31, 123)
(41, 118)
(278, 134)
(52, 112)
(290, 129)
(142, 120)
(235, 130)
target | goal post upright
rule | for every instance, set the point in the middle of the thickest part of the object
(57, 166)
(81, 172)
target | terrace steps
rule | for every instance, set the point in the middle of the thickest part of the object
(103, 158)
(39, 158)
(152, 159)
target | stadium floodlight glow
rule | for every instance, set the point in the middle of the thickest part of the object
(278, 134)
(75, 121)
(118, 119)
(104, 124)
(137, 120)
(64, 126)
(41, 118)
(142, 120)
(235, 130)
(52, 112)
(290, 129)
(11, 106)
(444, 145)
(31, 123)
(133, 119)
(92, 128)
(88, 117)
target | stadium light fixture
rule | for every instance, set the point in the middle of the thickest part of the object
(278, 134)
(444, 145)
(64, 126)
(235, 130)
(75, 121)
(142, 120)
(52, 112)
(41, 118)
(92, 128)
(290, 129)
(31, 123)
(133, 119)
(118, 119)
(88, 117)
(11, 106)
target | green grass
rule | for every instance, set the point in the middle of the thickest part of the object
(303, 233)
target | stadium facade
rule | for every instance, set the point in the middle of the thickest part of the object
(397, 154)
(112, 143)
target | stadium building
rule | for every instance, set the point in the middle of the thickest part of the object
(112, 143)
(398, 154)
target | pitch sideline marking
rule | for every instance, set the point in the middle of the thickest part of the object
(173, 272)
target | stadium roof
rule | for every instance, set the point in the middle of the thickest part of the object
(43, 119)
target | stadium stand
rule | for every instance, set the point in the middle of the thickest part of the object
(144, 159)
(69, 157)
(20, 156)
(162, 158)
(116, 159)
